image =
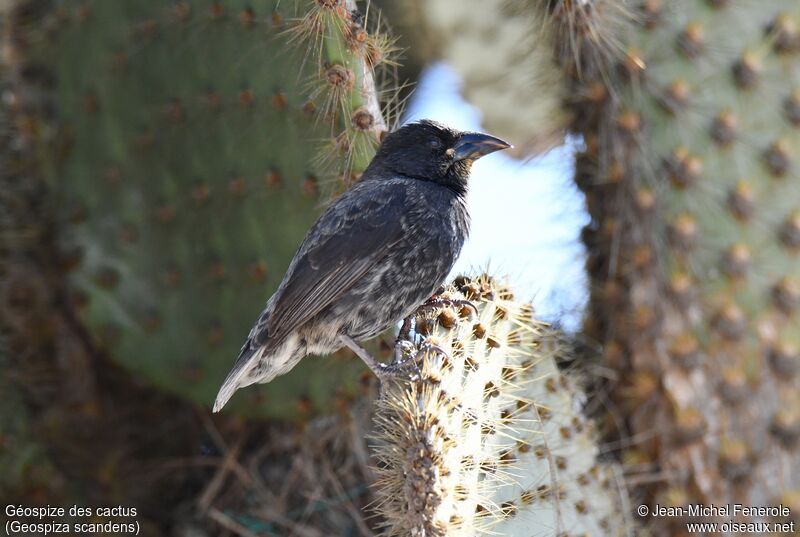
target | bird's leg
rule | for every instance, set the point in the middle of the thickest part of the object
(402, 343)
(405, 329)
(400, 362)
(379, 368)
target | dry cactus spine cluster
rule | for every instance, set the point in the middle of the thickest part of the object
(487, 436)
(182, 159)
(519, 58)
(500, 60)
(586, 34)
(346, 87)
(690, 174)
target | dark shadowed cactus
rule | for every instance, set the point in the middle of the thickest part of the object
(190, 146)
(26, 472)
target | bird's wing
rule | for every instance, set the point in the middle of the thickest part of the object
(349, 238)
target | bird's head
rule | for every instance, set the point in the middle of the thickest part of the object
(430, 151)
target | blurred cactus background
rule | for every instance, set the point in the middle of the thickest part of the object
(162, 159)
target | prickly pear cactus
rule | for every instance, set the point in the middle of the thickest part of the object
(487, 436)
(500, 59)
(188, 149)
(690, 171)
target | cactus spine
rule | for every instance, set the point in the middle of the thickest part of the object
(486, 437)
(491, 45)
(347, 56)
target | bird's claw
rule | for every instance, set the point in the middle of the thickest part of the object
(404, 350)
(401, 348)
(427, 346)
(408, 357)
(438, 301)
(399, 364)
(433, 303)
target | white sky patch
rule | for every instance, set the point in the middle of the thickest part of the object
(526, 215)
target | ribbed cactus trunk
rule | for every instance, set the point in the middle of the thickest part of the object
(692, 184)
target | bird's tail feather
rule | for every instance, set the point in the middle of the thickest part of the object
(237, 378)
(274, 358)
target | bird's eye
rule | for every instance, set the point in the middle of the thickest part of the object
(435, 143)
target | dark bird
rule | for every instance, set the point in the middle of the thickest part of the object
(375, 254)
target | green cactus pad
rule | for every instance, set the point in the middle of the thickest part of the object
(185, 169)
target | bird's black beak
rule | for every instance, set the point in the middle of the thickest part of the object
(474, 145)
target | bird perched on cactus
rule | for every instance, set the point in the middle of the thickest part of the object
(376, 253)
